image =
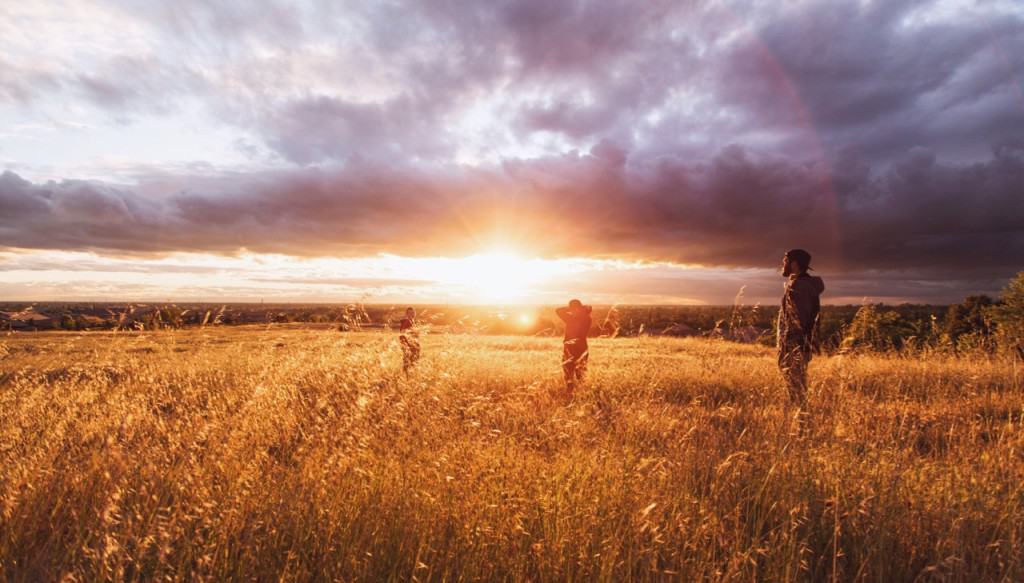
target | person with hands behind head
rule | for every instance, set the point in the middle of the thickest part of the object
(575, 351)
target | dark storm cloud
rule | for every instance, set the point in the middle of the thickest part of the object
(873, 76)
(735, 209)
(75, 214)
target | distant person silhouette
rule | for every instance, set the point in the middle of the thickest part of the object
(575, 351)
(798, 319)
(409, 337)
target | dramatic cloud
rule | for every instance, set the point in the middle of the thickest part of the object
(885, 136)
(882, 78)
(734, 210)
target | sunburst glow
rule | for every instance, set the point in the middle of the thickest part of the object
(498, 276)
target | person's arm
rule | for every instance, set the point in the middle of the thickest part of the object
(564, 313)
(815, 316)
(805, 300)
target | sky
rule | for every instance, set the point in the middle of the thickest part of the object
(437, 151)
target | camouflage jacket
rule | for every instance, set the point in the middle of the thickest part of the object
(798, 316)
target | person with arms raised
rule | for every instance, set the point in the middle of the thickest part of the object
(575, 352)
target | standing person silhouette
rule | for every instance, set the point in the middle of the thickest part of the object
(409, 337)
(575, 351)
(798, 319)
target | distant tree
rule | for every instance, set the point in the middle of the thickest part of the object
(968, 316)
(873, 329)
(968, 325)
(1008, 316)
(831, 330)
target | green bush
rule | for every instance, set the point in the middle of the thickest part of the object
(875, 330)
(1008, 316)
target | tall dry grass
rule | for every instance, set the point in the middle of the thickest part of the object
(260, 454)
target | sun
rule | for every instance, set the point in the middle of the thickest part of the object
(496, 276)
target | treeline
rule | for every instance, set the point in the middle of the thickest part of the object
(979, 323)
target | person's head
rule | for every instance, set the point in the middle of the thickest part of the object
(795, 261)
(410, 313)
(575, 304)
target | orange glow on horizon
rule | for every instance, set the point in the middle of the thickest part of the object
(496, 276)
(492, 276)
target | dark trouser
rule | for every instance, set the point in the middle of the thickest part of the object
(793, 360)
(410, 352)
(574, 361)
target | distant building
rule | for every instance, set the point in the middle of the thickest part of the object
(28, 319)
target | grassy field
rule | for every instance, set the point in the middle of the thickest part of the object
(289, 454)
